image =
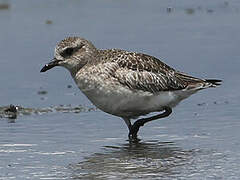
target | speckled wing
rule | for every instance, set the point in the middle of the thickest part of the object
(143, 72)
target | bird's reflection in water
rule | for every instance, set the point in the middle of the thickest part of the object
(148, 160)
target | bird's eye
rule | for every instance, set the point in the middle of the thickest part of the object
(67, 52)
(70, 50)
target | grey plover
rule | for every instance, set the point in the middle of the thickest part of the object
(125, 84)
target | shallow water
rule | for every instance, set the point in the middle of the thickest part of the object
(58, 134)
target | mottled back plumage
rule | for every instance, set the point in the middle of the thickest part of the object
(143, 72)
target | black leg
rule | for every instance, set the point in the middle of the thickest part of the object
(135, 127)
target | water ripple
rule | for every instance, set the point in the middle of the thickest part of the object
(148, 160)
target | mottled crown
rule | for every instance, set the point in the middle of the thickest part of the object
(73, 42)
(75, 52)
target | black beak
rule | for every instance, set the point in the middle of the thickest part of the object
(50, 65)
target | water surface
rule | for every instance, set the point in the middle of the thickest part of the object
(58, 134)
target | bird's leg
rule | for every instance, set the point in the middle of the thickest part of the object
(135, 127)
(128, 123)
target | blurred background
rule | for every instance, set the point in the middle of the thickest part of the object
(199, 141)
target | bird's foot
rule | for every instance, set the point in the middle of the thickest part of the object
(134, 130)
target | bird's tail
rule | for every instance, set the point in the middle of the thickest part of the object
(197, 82)
(213, 82)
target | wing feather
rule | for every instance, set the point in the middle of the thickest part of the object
(139, 71)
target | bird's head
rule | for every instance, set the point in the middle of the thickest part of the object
(72, 53)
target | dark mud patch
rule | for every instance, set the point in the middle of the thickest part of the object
(13, 111)
(42, 92)
(4, 6)
(48, 21)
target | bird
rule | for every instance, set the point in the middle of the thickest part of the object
(124, 83)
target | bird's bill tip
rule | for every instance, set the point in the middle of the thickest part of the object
(50, 65)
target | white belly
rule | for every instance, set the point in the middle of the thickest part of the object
(121, 101)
